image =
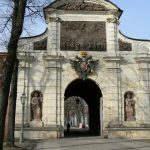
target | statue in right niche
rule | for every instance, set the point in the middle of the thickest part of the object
(129, 106)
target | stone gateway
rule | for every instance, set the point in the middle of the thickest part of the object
(82, 57)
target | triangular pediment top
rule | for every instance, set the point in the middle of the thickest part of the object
(87, 5)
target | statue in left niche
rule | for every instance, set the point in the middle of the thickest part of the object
(129, 106)
(36, 109)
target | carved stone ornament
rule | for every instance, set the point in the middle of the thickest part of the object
(84, 65)
(83, 6)
(27, 57)
(81, 35)
(40, 45)
(113, 20)
(54, 19)
(124, 46)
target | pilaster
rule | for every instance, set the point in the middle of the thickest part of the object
(25, 60)
(53, 35)
(53, 65)
(114, 88)
(143, 62)
(112, 34)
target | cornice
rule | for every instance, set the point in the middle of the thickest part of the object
(142, 59)
(113, 58)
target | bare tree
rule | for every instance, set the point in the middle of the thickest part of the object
(12, 26)
(12, 106)
(33, 15)
(16, 30)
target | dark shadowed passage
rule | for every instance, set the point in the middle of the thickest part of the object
(91, 93)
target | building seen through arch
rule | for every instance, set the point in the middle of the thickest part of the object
(76, 112)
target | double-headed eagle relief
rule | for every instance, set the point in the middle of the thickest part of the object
(84, 65)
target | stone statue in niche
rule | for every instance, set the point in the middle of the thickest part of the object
(129, 106)
(36, 109)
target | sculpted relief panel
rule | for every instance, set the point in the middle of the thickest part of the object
(124, 46)
(40, 45)
(83, 6)
(83, 36)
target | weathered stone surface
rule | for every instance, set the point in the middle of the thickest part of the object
(125, 46)
(36, 123)
(40, 45)
(83, 6)
(83, 36)
(118, 71)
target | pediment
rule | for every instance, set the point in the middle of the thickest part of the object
(87, 5)
(82, 6)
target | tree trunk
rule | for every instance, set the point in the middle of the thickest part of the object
(17, 26)
(12, 106)
(7, 121)
(5, 93)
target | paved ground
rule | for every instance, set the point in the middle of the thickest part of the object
(80, 139)
(26, 145)
(93, 143)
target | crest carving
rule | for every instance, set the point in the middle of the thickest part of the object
(83, 6)
(84, 65)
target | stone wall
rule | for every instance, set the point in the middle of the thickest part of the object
(124, 66)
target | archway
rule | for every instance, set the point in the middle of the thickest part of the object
(91, 93)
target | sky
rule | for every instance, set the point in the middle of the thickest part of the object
(134, 22)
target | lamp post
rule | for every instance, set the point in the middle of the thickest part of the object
(23, 98)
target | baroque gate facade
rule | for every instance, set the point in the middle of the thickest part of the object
(82, 41)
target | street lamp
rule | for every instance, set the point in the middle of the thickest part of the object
(23, 98)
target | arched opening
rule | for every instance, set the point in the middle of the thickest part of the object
(89, 91)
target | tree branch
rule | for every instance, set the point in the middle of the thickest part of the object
(5, 26)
